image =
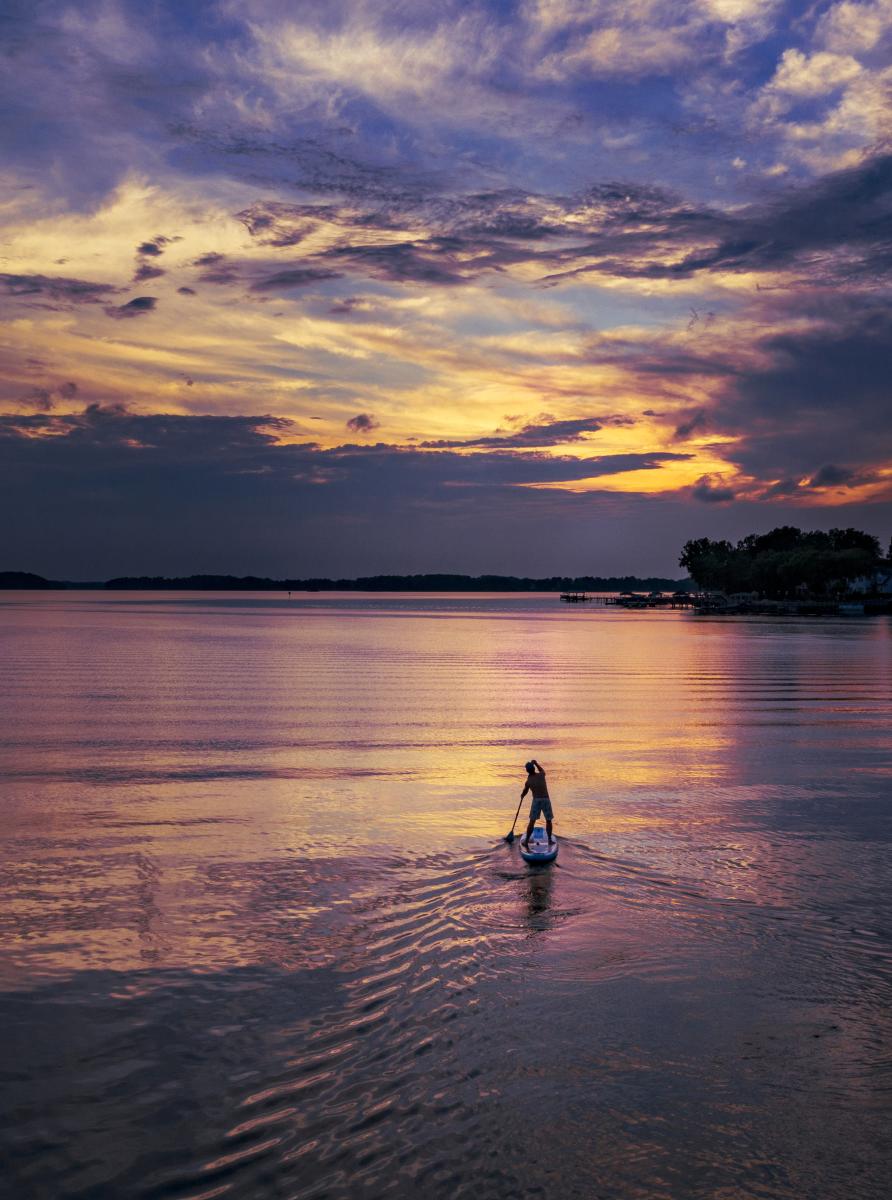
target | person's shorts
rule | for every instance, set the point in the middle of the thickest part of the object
(541, 805)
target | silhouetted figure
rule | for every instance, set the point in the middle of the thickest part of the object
(541, 803)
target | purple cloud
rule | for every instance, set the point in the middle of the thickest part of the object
(137, 307)
(362, 423)
(156, 245)
(54, 287)
(144, 271)
(543, 433)
(214, 482)
(708, 492)
(283, 281)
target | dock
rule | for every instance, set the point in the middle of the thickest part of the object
(637, 599)
(654, 600)
(719, 604)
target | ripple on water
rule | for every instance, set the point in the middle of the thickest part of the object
(439, 1035)
(693, 1002)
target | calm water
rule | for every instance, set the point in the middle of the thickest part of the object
(262, 937)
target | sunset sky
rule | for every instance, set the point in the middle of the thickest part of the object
(343, 288)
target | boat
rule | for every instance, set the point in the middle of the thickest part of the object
(539, 850)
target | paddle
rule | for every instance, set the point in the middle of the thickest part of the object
(509, 838)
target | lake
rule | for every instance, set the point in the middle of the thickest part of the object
(262, 936)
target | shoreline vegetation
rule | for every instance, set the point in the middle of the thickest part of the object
(789, 564)
(803, 571)
(370, 583)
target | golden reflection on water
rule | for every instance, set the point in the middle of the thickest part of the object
(153, 741)
(253, 868)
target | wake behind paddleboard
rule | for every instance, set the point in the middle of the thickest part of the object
(539, 850)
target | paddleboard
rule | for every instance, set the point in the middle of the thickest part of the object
(539, 850)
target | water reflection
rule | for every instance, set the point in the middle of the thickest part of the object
(259, 939)
(538, 897)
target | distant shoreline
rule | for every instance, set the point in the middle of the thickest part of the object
(21, 581)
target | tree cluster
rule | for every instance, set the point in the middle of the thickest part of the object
(24, 580)
(784, 562)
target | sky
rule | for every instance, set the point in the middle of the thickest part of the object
(536, 288)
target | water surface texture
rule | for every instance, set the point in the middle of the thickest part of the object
(262, 937)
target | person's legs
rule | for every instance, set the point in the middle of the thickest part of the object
(549, 817)
(535, 809)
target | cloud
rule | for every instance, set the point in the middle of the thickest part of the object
(216, 268)
(358, 100)
(252, 445)
(433, 261)
(829, 477)
(145, 271)
(816, 390)
(828, 103)
(221, 276)
(275, 223)
(813, 389)
(137, 307)
(783, 488)
(536, 434)
(362, 423)
(852, 28)
(444, 243)
(156, 245)
(808, 76)
(832, 476)
(284, 281)
(711, 491)
(793, 382)
(830, 229)
(455, 66)
(213, 493)
(54, 287)
(349, 304)
(40, 399)
(449, 213)
(43, 399)
(637, 39)
(456, 239)
(697, 422)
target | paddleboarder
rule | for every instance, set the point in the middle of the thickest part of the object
(541, 803)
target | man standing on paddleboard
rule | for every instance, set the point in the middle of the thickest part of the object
(541, 804)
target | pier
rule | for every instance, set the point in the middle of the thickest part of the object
(654, 600)
(718, 604)
(637, 599)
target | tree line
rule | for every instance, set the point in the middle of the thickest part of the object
(784, 562)
(396, 583)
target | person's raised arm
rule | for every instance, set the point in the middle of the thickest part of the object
(538, 766)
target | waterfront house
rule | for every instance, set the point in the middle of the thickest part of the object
(877, 584)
